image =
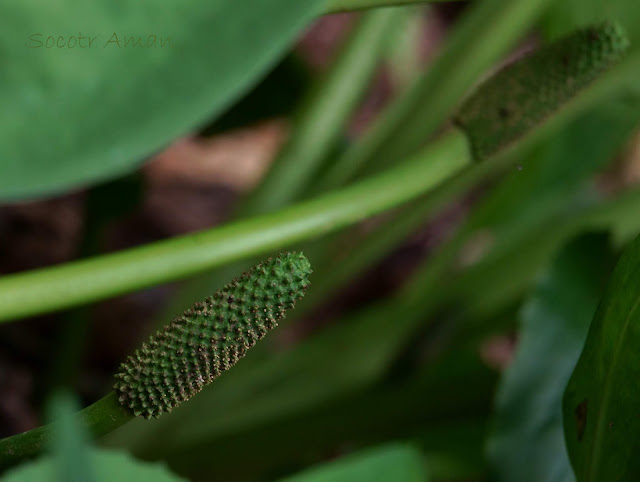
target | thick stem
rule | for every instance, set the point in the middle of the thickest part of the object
(79, 282)
(102, 417)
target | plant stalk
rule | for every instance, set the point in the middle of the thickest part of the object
(85, 281)
(100, 418)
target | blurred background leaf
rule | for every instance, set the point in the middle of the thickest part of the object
(527, 439)
(389, 463)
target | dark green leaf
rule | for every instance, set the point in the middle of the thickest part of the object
(390, 463)
(73, 115)
(528, 423)
(602, 401)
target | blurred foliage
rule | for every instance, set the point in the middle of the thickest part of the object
(392, 462)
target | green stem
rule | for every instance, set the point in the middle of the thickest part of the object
(84, 281)
(324, 114)
(102, 417)
(337, 6)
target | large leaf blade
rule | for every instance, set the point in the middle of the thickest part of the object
(73, 115)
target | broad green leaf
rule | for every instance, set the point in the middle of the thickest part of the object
(602, 401)
(390, 463)
(527, 429)
(78, 110)
(107, 465)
